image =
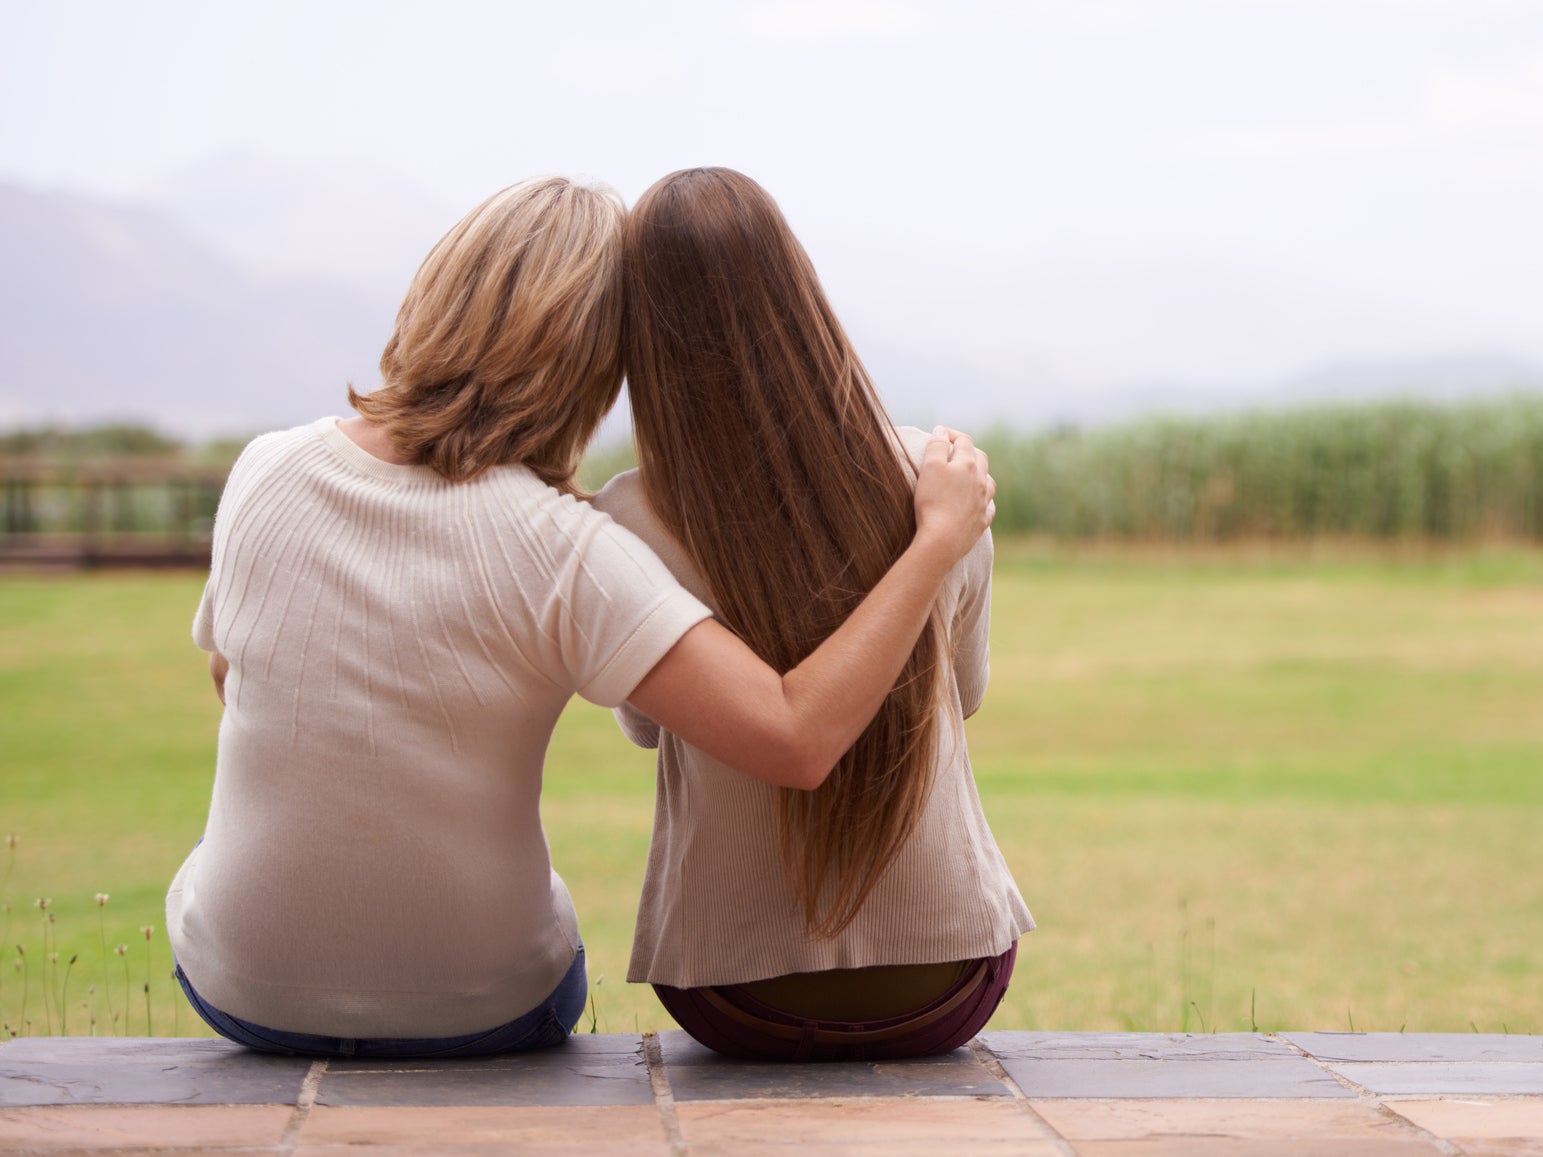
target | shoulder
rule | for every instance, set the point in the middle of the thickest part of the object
(269, 463)
(912, 444)
(978, 562)
(263, 451)
(624, 499)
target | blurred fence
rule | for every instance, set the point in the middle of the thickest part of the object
(1389, 470)
(106, 512)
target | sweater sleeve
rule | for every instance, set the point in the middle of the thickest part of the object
(619, 610)
(230, 497)
(203, 619)
(970, 631)
(636, 726)
(623, 499)
(972, 627)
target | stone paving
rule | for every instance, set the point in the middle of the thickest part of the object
(1031, 1093)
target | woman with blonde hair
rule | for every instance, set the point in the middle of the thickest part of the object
(398, 607)
(872, 917)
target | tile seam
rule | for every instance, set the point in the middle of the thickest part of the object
(989, 1061)
(1447, 1147)
(664, 1096)
(1374, 1100)
(310, 1088)
(851, 1098)
(1361, 1091)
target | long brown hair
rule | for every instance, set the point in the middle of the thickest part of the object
(765, 450)
(507, 346)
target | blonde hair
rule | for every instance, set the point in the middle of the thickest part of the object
(767, 454)
(507, 346)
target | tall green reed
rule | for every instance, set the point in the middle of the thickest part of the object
(1383, 470)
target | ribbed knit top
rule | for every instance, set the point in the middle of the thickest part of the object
(400, 649)
(716, 908)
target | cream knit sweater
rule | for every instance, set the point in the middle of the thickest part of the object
(400, 648)
(715, 908)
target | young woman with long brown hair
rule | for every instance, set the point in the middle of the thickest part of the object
(399, 605)
(874, 916)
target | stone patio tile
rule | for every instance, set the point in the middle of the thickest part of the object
(872, 1149)
(1230, 1147)
(586, 1070)
(1511, 1147)
(889, 1124)
(603, 1044)
(492, 1149)
(696, 1073)
(1417, 1046)
(1291, 1076)
(1494, 1078)
(1475, 1119)
(1110, 1046)
(144, 1071)
(93, 1127)
(631, 1129)
(1311, 1120)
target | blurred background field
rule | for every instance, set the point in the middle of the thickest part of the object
(1265, 737)
(1285, 785)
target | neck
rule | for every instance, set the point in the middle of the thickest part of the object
(371, 439)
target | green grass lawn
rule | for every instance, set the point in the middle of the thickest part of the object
(1293, 790)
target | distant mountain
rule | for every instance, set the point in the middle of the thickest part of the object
(347, 222)
(114, 311)
(282, 290)
(922, 387)
(1092, 333)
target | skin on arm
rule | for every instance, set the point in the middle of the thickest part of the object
(789, 730)
(219, 667)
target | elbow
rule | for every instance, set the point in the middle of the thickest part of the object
(788, 763)
(804, 761)
(811, 775)
(807, 765)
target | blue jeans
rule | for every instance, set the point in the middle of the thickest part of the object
(548, 1024)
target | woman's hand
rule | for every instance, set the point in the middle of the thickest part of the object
(954, 494)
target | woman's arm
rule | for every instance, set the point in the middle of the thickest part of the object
(717, 695)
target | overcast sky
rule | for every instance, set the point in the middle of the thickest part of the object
(1103, 193)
